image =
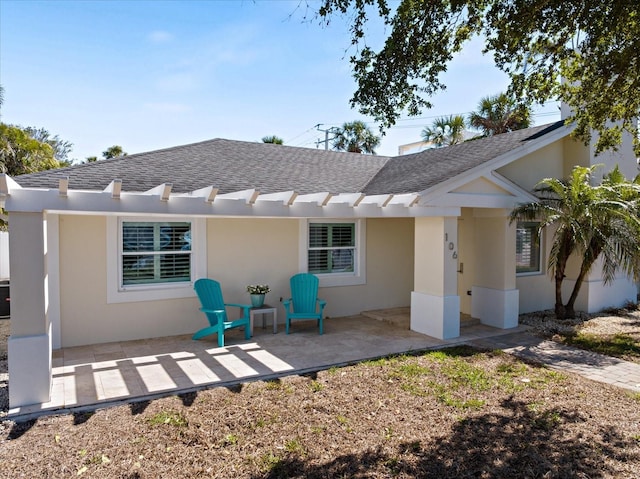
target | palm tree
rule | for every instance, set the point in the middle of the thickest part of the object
(113, 152)
(500, 114)
(355, 137)
(273, 139)
(591, 221)
(445, 131)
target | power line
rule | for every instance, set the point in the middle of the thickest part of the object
(318, 141)
(298, 136)
(331, 129)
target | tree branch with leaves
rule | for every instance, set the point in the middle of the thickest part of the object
(591, 44)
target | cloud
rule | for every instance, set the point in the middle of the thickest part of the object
(159, 36)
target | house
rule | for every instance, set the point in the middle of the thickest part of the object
(108, 251)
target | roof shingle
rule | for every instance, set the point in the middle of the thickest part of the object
(238, 165)
(419, 171)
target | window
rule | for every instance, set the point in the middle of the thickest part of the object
(154, 258)
(527, 248)
(334, 250)
(331, 248)
(155, 252)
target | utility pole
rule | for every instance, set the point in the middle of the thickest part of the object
(326, 135)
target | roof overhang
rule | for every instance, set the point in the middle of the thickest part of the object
(160, 201)
(490, 190)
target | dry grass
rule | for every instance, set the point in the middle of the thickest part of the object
(452, 413)
(613, 332)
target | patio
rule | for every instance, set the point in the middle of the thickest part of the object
(105, 374)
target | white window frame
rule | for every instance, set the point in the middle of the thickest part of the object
(119, 293)
(539, 271)
(358, 276)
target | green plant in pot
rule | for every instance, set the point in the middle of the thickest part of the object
(257, 292)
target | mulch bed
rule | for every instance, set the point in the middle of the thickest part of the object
(452, 413)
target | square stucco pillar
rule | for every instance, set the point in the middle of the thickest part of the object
(30, 342)
(435, 305)
(494, 297)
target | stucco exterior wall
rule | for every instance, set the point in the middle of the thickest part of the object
(85, 316)
(546, 162)
(239, 252)
(250, 251)
(575, 153)
(558, 159)
(624, 157)
(495, 252)
(537, 291)
(4, 255)
(389, 271)
(466, 258)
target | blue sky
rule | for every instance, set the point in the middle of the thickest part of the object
(153, 74)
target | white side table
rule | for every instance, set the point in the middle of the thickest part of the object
(263, 310)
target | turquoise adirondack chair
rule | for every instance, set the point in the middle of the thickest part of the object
(213, 306)
(304, 302)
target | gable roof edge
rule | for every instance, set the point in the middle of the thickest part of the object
(499, 161)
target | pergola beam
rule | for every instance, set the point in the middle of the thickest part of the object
(114, 188)
(163, 191)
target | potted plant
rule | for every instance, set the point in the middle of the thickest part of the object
(257, 292)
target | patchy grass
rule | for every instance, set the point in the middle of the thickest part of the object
(617, 345)
(614, 332)
(450, 413)
(168, 417)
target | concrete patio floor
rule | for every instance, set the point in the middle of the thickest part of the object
(93, 376)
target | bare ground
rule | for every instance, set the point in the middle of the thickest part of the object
(453, 413)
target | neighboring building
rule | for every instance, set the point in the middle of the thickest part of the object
(418, 146)
(109, 251)
(415, 147)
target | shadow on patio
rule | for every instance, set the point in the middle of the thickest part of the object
(87, 377)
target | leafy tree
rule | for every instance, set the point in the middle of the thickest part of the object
(61, 148)
(445, 131)
(273, 139)
(355, 137)
(592, 44)
(113, 152)
(90, 159)
(500, 114)
(20, 153)
(592, 222)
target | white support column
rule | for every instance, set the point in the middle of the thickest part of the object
(494, 297)
(52, 255)
(30, 341)
(435, 304)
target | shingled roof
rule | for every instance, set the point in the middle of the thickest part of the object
(238, 165)
(420, 171)
(228, 165)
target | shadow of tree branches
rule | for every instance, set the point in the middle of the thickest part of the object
(516, 443)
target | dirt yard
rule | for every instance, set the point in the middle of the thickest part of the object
(453, 413)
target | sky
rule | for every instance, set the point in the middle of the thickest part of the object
(150, 74)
